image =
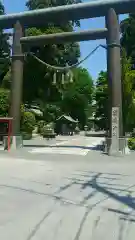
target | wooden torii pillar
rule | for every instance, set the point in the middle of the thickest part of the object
(17, 80)
(115, 139)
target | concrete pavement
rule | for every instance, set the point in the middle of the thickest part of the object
(66, 197)
(73, 145)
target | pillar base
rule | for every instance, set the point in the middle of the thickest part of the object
(16, 142)
(118, 148)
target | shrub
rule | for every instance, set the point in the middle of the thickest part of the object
(40, 126)
(131, 143)
(4, 102)
(28, 122)
(26, 136)
(6, 83)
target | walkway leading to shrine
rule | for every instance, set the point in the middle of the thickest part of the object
(73, 145)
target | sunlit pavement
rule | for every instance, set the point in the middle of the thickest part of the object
(67, 197)
(66, 145)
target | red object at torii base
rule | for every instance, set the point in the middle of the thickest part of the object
(8, 132)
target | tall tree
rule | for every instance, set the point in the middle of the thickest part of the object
(128, 80)
(37, 75)
(128, 95)
(128, 67)
(127, 37)
(78, 96)
(101, 98)
(4, 50)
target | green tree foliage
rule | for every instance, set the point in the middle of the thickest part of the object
(51, 112)
(4, 49)
(4, 102)
(78, 96)
(101, 97)
(128, 80)
(127, 38)
(6, 83)
(128, 70)
(36, 74)
(28, 122)
(4, 67)
(128, 96)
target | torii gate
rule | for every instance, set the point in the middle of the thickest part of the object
(108, 8)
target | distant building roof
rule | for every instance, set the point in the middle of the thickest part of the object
(68, 118)
(35, 109)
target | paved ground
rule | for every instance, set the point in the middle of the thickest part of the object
(66, 197)
(65, 145)
(70, 145)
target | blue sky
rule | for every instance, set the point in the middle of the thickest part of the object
(95, 63)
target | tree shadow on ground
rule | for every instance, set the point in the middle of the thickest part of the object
(103, 183)
(111, 187)
(94, 148)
